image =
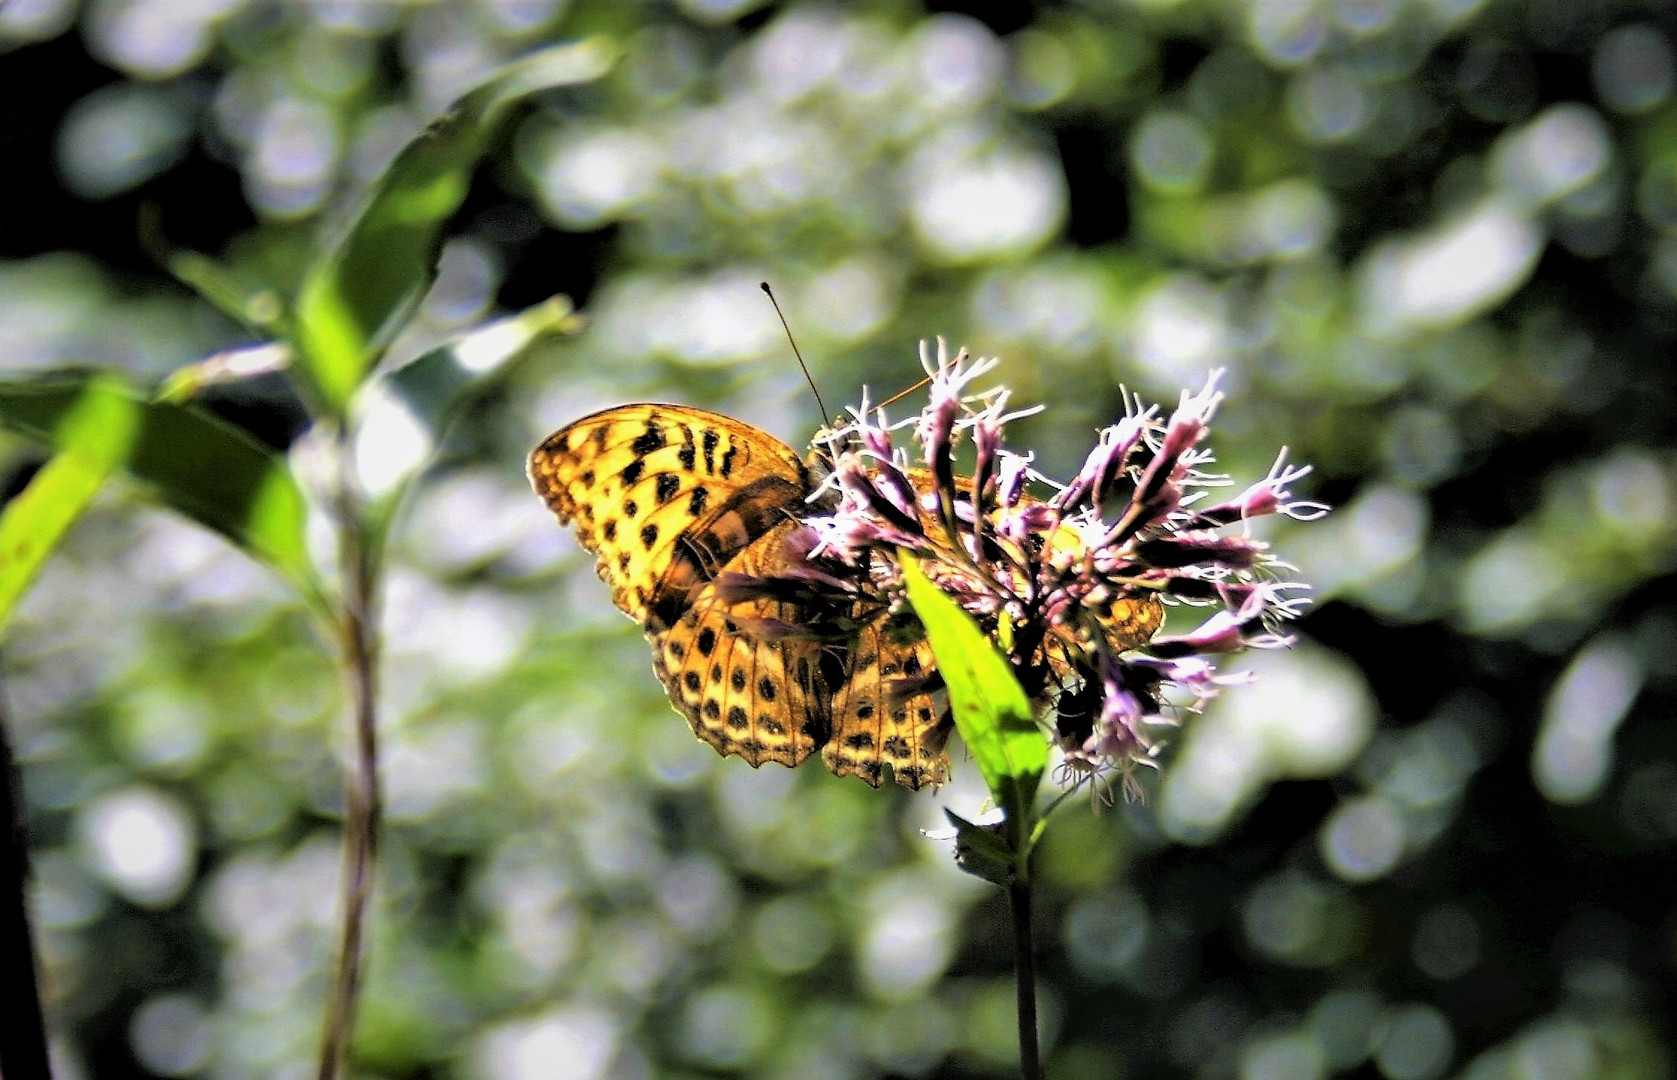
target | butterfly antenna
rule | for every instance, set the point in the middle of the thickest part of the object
(894, 398)
(822, 405)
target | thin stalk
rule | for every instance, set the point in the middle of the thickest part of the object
(23, 1035)
(1024, 967)
(362, 812)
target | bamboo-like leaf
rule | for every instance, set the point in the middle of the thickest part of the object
(991, 710)
(207, 470)
(387, 255)
(94, 436)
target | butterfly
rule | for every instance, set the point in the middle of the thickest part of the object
(674, 501)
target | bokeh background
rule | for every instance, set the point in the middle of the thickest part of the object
(1432, 242)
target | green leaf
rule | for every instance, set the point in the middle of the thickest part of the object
(256, 306)
(983, 850)
(209, 471)
(94, 436)
(991, 710)
(385, 259)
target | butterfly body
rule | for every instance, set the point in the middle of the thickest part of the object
(676, 501)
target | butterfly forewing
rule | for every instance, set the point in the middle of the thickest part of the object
(665, 495)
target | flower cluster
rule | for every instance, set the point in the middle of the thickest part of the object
(1072, 585)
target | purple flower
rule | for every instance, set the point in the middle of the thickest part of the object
(1072, 583)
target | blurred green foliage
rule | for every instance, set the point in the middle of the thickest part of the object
(1433, 241)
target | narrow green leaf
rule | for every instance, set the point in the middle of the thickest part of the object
(207, 470)
(991, 710)
(94, 436)
(255, 306)
(983, 850)
(387, 255)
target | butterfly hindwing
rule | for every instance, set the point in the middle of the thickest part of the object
(884, 712)
(744, 690)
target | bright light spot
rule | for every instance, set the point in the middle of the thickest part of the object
(1556, 154)
(461, 633)
(1286, 32)
(36, 20)
(1059, 304)
(295, 157)
(1575, 742)
(1307, 714)
(957, 62)
(170, 1034)
(153, 39)
(726, 1028)
(698, 897)
(1180, 331)
(1365, 17)
(709, 320)
(1415, 1043)
(1295, 1055)
(908, 939)
(1511, 582)
(572, 1042)
(983, 204)
(1632, 494)
(799, 52)
(467, 275)
(1171, 152)
(391, 443)
(593, 177)
(143, 843)
(1296, 920)
(1329, 104)
(1451, 273)
(850, 299)
(1561, 1049)
(1633, 68)
(1290, 218)
(1379, 532)
(119, 137)
(522, 16)
(791, 934)
(430, 765)
(1363, 840)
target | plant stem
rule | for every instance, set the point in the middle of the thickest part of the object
(23, 1035)
(362, 812)
(1024, 967)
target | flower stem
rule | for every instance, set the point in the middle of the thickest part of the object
(1024, 967)
(362, 812)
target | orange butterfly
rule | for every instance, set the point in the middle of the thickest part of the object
(670, 498)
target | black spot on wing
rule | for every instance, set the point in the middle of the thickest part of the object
(649, 440)
(710, 440)
(632, 472)
(666, 486)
